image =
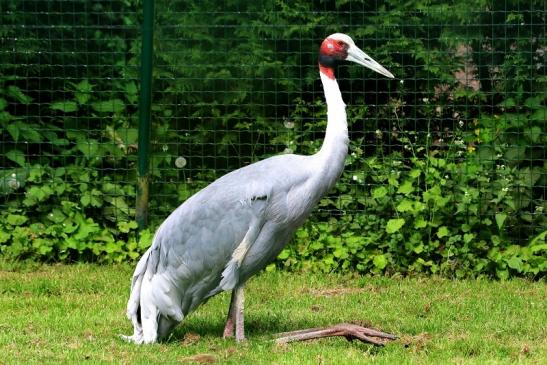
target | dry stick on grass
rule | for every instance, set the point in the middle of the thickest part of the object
(347, 330)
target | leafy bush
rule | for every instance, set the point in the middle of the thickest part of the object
(463, 202)
(55, 220)
(446, 172)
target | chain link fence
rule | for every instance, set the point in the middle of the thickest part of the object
(449, 156)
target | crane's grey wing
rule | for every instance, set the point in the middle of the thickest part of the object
(257, 204)
(198, 250)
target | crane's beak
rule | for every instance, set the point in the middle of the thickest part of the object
(360, 57)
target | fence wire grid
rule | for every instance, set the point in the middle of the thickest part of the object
(462, 125)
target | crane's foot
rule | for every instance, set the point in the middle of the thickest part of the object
(347, 330)
(230, 331)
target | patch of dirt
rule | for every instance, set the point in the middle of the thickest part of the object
(74, 345)
(190, 338)
(331, 292)
(417, 342)
(229, 351)
(458, 336)
(200, 359)
(366, 324)
(315, 308)
(525, 351)
(88, 334)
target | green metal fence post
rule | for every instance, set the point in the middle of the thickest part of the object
(145, 97)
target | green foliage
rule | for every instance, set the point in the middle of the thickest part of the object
(446, 172)
(451, 211)
(54, 221)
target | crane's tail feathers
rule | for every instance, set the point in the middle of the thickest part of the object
(133, 304)
(136, 282)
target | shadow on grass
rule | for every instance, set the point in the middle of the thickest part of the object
(264, 326)
(256, 328)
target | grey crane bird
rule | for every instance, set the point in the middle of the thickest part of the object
(221, 236)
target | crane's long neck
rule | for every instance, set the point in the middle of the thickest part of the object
(335, 146)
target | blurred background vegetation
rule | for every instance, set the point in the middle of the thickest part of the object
(447, 170)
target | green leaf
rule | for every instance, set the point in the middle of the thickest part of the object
(109, 106)
(128, 135)
(85, 200)
(43, 247)
(4, 237)
(539, 239)
(468, 237)
(120, 204)
(393, 225)
(539, 248)
(379, 261)
(502, 274)
(404, 206)
(30, 133)
(82, 98)
(16, 219)
(508, 103)
(13, 130)
(145, 238)
(125, 227)
(515, 263)
(84, 86)
(539, 115)
(500, 219)
(56, 216)
(86, 228)
(17, 94)
(284, 254)
(64, 106)
(83, 91)
(90, 148)
(340, 252)
(533, 133)
(442, 232)
(393, 179)
(420, 222)
(534, 102)
(131, 92)
(17, 157)
(419, 248)
(3, 104)
(379, 192)
(406, 188)
(414, 173)
(515, 153)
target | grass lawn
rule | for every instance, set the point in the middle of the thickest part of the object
(73, 314)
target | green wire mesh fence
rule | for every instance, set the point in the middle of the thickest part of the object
(446, 166)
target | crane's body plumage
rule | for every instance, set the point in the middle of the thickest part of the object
(225, 233)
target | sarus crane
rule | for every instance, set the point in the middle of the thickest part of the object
(225, 233)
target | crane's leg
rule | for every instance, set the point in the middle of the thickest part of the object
(235, 320)
(229, 326)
